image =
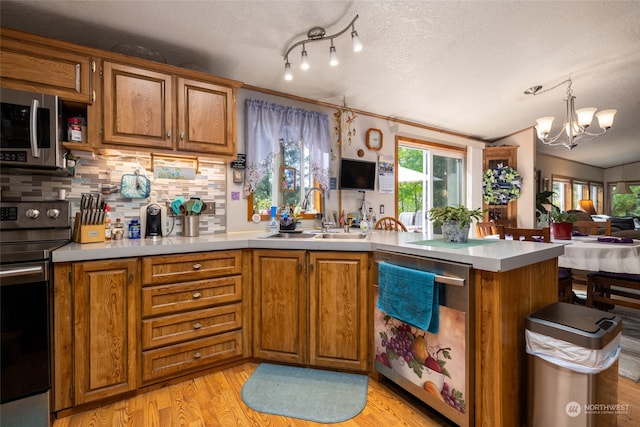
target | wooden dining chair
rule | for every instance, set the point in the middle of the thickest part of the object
(593, 227)
(390, 223)
(528, 234)
(486, 228)
(565, 276)
(506, 222)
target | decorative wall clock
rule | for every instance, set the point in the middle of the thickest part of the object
(374, 139)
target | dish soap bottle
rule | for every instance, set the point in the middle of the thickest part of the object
(364, 224)
(273, 224)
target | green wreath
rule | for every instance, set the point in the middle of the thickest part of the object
(501, 185)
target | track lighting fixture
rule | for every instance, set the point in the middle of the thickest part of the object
(318, 34)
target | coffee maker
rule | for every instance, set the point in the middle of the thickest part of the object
(154, 221)
(153, 218)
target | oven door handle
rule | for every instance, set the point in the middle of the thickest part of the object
(26, 271)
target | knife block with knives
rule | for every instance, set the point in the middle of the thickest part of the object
(89, 222)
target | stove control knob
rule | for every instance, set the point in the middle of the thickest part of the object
(33, 213)
(53, 213)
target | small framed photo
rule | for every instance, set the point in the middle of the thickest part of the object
(288, 180)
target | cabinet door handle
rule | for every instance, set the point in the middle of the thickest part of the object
(181, 135)
(196, 295)
(168, 134)
(197, 325)
(197, 266)
(197, 355)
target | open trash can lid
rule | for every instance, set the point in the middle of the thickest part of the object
(583, 326)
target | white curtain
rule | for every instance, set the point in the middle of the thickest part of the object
(268, 125)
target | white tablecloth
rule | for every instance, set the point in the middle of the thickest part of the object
(586, 253)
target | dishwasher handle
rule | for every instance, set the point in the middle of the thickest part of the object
(445, 280)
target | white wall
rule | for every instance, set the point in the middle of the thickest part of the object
(350, 200)
(550, 165)
(525, 140)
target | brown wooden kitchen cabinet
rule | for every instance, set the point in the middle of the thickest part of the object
(205, 122)
(192, 313)
(153, 109)
(280, 305)
(311, 308)
(338, 310)
(35, 64)
(105, 295)
(117, 329)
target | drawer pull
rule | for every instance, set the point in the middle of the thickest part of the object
(197, 355)
(197, 266)
(197, 326)
(196, 295)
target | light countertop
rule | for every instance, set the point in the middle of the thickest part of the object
(500, 255)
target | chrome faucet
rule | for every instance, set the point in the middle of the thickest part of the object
(325, 222)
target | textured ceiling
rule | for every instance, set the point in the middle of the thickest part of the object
(459, 66)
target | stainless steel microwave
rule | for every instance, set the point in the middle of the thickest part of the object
(29, 133)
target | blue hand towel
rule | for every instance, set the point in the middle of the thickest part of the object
(409, 295)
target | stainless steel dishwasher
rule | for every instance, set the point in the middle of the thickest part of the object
(435, 368)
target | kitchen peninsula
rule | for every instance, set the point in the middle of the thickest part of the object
(509, 280)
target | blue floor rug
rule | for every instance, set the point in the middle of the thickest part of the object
(308, 394)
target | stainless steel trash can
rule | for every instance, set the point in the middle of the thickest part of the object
(572, 366)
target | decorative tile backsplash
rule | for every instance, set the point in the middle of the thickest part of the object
(91, 174)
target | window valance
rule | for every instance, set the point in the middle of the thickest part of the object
(268, 125)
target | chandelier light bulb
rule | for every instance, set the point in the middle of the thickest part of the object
(304, 63)
(585, 115)
(357, 44)
(544, 124)
(577, 129)
(288, 75)
(333, 56)
(605, 118)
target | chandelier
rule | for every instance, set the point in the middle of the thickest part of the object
(317, 34)
(576, 122)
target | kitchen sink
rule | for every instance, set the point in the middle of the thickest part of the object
(350, 236)
(292, 236)
(318, 235)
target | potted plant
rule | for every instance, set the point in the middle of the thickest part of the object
(455, 221)
(561, 224)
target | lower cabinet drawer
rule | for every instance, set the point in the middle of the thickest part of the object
(175, 359)
(176, 328)
(175, 297)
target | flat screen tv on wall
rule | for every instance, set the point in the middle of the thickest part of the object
(357, 175)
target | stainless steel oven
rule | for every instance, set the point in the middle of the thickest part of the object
(29, 232)
(29, 131)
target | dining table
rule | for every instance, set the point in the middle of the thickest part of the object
(600, 253)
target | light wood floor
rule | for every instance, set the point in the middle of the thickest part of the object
(214, 400)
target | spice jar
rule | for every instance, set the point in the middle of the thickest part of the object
(118, 230)
(74, 129)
